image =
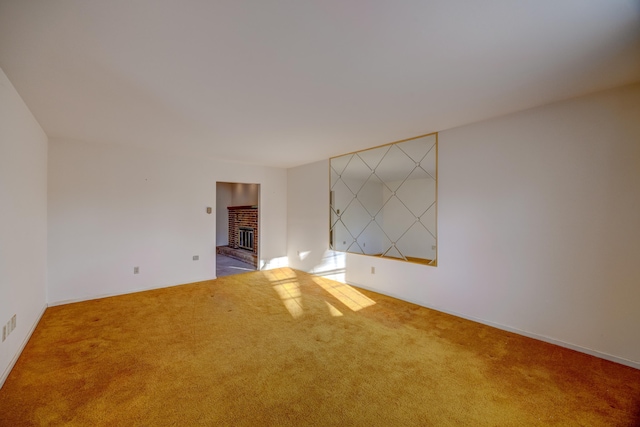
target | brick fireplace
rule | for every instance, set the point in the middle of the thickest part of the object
(243, 234)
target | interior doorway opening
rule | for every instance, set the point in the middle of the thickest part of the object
(237, 227)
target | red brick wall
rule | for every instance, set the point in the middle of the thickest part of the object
(243, 216)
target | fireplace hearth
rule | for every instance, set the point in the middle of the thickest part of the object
(243, 231)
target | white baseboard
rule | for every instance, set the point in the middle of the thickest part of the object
(543, 338)
(16, 356)
(115, 294)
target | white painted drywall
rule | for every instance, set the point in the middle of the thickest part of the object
(308, 214)
(112, 208)
(224, 197)
(244, 194)
(23, 222)
(538, 225)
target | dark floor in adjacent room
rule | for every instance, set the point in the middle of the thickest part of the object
(227, 266)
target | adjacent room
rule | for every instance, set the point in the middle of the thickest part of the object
(237, 230)
(319, 213)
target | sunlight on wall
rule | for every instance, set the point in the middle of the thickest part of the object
(269, 264)
(332, 266)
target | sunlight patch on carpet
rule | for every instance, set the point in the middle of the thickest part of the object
(285, 283)
(344, 293)
(280, 275)
(333, 311)
(291, 298)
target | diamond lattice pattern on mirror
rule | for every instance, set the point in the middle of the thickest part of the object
(383, 201)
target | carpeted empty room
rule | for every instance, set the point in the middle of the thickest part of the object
(319, 213)
(283, 347)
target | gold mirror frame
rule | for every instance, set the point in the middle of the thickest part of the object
(383, 201)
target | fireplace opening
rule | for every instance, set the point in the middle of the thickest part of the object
(245, 238)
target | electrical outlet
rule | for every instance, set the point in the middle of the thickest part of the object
(13, 322)
(4, 332)
(136, 270)
(373, 270)
(196, 257)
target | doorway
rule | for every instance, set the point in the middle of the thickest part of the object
(237, 228)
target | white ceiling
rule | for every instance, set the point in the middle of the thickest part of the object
(287, 82)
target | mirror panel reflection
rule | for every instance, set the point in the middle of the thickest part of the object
(383, 201)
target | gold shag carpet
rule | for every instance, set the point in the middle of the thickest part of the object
(284, 348)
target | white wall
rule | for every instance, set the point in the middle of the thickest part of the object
(308, 214)
(224, 197)
(112, 208)
(538, 225)
(23, 222)
(243, 194)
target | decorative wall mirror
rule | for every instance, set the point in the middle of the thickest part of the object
(383, 201)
